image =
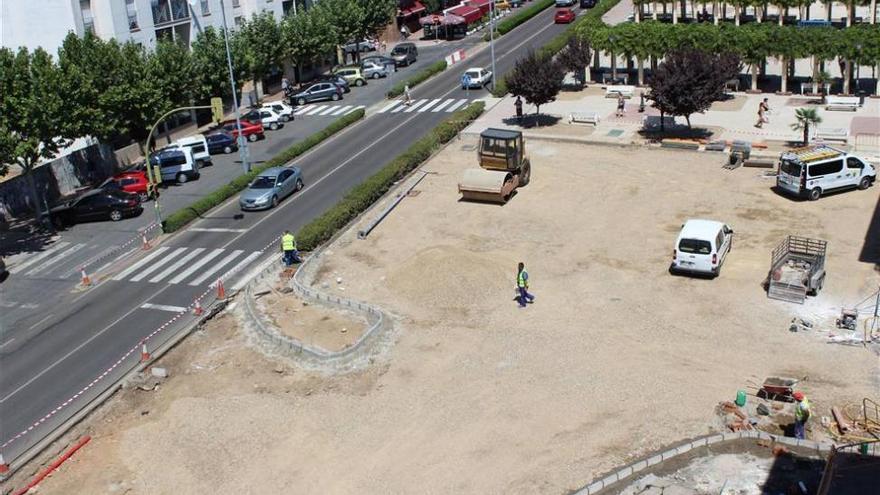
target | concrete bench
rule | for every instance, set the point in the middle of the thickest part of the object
(832, 134)
(846, 103)
(680, 144)
(626, 91)
(652, 122)
(608, 78)
(584, 118)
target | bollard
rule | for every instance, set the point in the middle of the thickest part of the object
(146, 243)
(221, 291)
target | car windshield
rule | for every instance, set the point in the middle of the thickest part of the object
(790, 167)
(263, 182)
(398, 50)
(695, 246)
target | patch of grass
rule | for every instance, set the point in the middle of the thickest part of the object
(435, 68)
(521, 16)
(182, 217)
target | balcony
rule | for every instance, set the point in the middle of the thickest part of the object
(133, 22)
(169, 11)
(88, 23)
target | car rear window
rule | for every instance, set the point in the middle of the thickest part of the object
(695, 246)
(472, 74)
(791, 168)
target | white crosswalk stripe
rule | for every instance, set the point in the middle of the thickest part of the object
(39, 257)
(455, 107)
(359, 107)
(302, 110)
(171, 269)
(416, 104)
(158, 264)
(390, 106)
(241, 264)
(315, 110)
(216, 268)
(430, 104)
(400, 108)
(340, 110)
(55, 259)
(137, 266)
(195, 266)
(328, 110)
(442, 105)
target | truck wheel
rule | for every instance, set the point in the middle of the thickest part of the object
(865, 183)
(182, 178)
(815, 193)
(526, 174)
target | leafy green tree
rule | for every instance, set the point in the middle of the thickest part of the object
(576, 57)
(171, 82)
(85, 66)
(210, 64)
(806, 117)
(788, 43)
(307, 36)
(347, 18)
(260, 39)
(537, 79)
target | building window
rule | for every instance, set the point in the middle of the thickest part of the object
(132, 15)
(206, 8)
(236, 3)
(170, 10)
(239, 20)
(85, 8)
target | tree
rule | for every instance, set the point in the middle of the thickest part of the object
(689, 81)
(576, 57)
(537, 79)
(260, 40)
(209, 62)
(346, 17)
(806, 117)
(85, 67)
(307, 36)
(172, 82)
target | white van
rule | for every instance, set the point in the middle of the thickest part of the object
(813, 170)
(176, 164)
(198, 145)
(701, 247)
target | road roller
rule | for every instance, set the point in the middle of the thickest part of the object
(504, 166)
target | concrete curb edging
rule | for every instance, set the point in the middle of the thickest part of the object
(607, 481)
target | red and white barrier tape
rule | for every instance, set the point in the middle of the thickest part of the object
(139, 236)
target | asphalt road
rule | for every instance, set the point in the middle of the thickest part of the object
(47, 363)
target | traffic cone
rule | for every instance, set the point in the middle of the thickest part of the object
(197, 310)
(4, 468)
(221, 292)
(145, 355)
(86, 281)
(146, 243)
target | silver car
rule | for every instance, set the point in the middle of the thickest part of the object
(270, 187)
(373, 70)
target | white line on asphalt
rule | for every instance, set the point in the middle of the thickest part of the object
(61, 256)
(114, 260)
(179, 263)
(302, 110)
(198, 264)
(158, 264)
(402, 107)
(429, 105)
(240, 264)
(340, 110)
(39, 257)
(217, 267)
(331, 108)
(390, 106)
(133, 268)
(37, 323)
(7, 343)
(442, 105)
(415, 105)
(98, 256)
(206, 229)
(359, 107)
(315, 110)
(163, 307)
(454, 107)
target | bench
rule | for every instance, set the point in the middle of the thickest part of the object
(607, 77)
(652, 122)
(846, 103)
(584, 118)
(832, 134)
(626, 91)
(732, 84)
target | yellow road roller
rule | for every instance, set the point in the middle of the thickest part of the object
(504, 166)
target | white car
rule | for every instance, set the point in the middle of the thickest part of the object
(281, 108)
(270, 118)
(701, 247)
(475, 77)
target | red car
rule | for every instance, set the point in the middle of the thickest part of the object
(133, 182)
(564, 16)
(250, 130)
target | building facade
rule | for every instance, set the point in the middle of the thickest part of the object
(45, 23)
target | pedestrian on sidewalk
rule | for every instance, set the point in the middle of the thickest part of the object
(407, 97)
(621, 105)
(763, 109)
(288, 249)
(384, 47)
(285, 84)
(801, 415)
(522, 285)
(518, 105)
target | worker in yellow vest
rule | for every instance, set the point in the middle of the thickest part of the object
(801, 415)
(522, 285)
(288, 249)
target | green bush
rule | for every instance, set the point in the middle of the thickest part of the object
(521, 16)
(435, 68)
(186, 215)
(362, 196)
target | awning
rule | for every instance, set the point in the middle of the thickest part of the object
(483, 5)
(470, 14)
(438, 20)
(416, 8)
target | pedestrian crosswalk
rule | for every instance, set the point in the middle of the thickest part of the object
(437, 105)
(326, 110)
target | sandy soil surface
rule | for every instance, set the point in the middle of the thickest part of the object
(315, 326)
(615, 358)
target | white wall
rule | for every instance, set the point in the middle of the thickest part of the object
(38, 23)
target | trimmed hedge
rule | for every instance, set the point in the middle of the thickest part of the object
(435, 68)
(186, 215)
(362, 196)
(558, 43)
(521, 16)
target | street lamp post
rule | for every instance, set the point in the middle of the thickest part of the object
(242, 142)
(492, 39)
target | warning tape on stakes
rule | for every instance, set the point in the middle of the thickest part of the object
(137, 237)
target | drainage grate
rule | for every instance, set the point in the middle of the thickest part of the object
(615, 132)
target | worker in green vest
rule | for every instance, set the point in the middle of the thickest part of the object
(288, 249)
(522, 285)
(801, 415)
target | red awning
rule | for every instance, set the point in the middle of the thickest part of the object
(416, 8)
(470, 14)
(483, 5)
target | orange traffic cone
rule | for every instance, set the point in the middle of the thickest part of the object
(197, 310)
(86, 281)
(146, 243)
(221, 292)
(4, 468)
(145, 355)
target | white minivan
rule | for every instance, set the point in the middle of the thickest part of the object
(814, 170)
(198, 146)
(701, 247)
(176, 164)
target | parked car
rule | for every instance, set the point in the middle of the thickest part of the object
(352, 74)
(270, 187)
(516, 3)
(701, 247)
(317, 92)
(588, 4)
(337, 80)
(176, 164)
(281, 108)
(387, 62)
(374, 70)
(502, 5)
(97, 204)
(564, 16)
(565, 3)
(477, 77)
(363, 46)
(250, 130)
(266, 116)
(133, 182)
(198, 145)
(405, 54)
(221, 142)
(4, 273)
(813, 171)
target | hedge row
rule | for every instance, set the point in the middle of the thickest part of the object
(186, 215)
(555, 45)
(362, 196)
(521, 16)
(435, 68)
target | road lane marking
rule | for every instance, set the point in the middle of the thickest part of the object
(359, 107)
(390, 106)
(75, 270)
(455, 107)
(55, 259)
(158, 264)
(198, 264)
(39, 257)
(207, 229)
(238, 266)
(302, 110)
(37, 323)
(7, 342)
(163, 307)
(337, 112)
(415, 105)
(135, 267)
(315, 110)
(168, 271)
(429, 105)
(401, 108)
(442, 105)
(329, 109)
(217, 267)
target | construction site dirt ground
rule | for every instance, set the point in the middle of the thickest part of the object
(616, 357)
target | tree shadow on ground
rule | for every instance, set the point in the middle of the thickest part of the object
(675, 131)
(533, 120)
(24, 238)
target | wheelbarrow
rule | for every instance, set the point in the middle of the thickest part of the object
(777, 388)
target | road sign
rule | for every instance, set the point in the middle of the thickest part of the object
(217, 110)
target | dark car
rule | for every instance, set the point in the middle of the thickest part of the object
(320, 91)
(588, 4)
(98, 204)
(335, 79)
(221, 142)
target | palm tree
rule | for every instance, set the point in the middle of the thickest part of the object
(805, 118)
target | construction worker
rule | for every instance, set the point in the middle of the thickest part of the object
(288, 248)
(801, 414)
(522, 285)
